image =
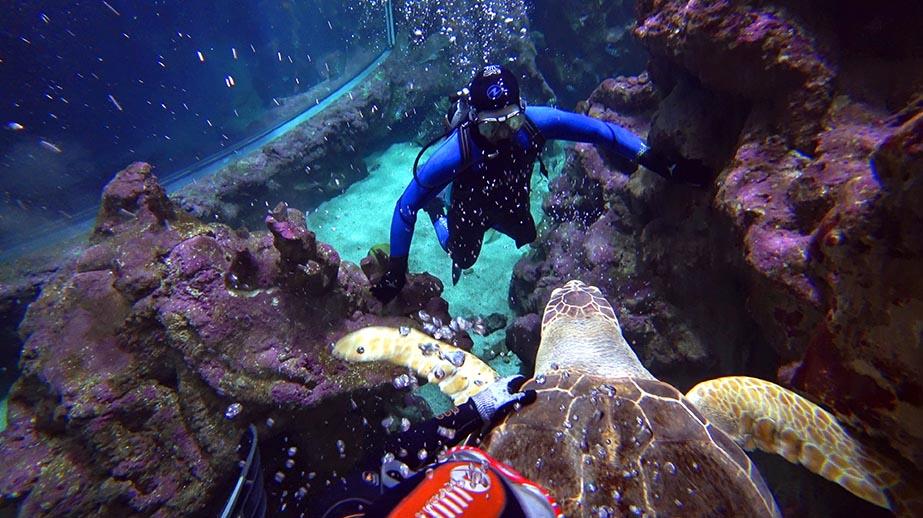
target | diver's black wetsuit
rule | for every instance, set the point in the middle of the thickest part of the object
(492, 191)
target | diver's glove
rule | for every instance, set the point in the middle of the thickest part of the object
(500, 397)
(392, 281)
(680, 170)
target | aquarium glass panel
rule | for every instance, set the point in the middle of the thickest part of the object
(87, 87)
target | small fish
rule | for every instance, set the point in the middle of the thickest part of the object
(14, 126)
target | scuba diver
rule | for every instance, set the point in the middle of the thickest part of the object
(421, 471)
(479, 178)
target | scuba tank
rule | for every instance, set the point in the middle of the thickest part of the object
(457, 115)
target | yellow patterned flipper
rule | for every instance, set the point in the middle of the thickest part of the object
(760, 414)
(458, 373)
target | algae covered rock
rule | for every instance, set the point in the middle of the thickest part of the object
(147, 356)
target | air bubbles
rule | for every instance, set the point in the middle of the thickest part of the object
(456, 358)
(428, 348)
(233, 410)
(341, 448)
(403, 330)
(403, 381)
(670, 468)
(292, 451)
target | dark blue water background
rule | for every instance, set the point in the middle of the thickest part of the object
(87, 87)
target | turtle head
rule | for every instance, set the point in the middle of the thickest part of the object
(581, 332)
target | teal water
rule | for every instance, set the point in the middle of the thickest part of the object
(361, 217)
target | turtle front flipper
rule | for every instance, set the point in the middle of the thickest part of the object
(459, 374)
(760, 414)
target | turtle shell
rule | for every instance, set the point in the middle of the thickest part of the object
(627, 447)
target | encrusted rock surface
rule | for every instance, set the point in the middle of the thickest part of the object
(830, 243)
(800, 262)
(647, 245)
(135, 351)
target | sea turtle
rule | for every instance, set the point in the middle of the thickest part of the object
(607, 438)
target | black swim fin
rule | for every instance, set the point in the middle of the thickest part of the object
(456, 273)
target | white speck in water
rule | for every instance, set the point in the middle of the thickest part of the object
(403, 330)
(49, 146)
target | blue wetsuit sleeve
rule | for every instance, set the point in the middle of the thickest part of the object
(440, 169)
(561, 125)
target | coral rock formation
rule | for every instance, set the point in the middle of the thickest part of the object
(819, 227)
(134, 352)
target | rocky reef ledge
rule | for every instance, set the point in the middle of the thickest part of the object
(147, 356)
(801, 259)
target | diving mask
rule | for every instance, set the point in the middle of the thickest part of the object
(500, 124)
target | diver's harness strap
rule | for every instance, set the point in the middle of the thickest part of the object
(464, 145)
(538, 142)
(536, 139)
